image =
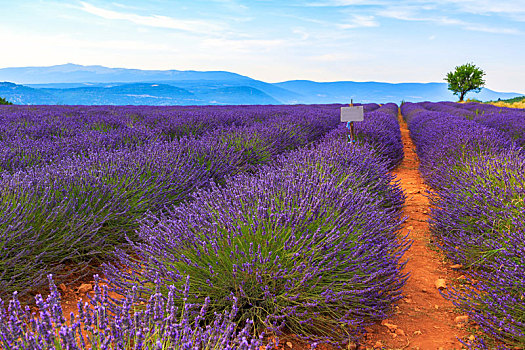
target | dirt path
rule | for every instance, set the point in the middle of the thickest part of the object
(424, 319)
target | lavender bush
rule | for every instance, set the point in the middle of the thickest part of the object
(482, 209)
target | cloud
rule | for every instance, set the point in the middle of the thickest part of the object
(495, 30)
(302, 33)
(513, 9)
(359, 21)
(157, 21)
(442, 12)
(412, 13)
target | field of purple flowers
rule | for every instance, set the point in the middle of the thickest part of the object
(471, 155)
(224, 223)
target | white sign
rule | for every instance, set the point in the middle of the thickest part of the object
(352, 114)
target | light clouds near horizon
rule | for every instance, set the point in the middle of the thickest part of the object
(270, 40)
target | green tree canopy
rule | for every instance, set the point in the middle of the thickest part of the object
(465, 78)
(3, 101)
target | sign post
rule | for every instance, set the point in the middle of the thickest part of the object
(350, 115)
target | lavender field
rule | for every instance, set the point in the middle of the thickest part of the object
(224, 227)
(256, 217)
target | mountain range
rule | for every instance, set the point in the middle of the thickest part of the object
(97, 85)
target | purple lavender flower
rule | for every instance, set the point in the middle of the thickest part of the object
(175, 329)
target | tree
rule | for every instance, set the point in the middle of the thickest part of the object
(465, 78)
(3, 101)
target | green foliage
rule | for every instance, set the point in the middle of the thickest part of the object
(465, 78)
(3, 101)
(511, 100)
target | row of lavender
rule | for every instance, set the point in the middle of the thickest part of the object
(75, 210)
(478, 174)
(307, 245)
(507, 120)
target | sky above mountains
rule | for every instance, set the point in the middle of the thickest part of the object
(272, 40)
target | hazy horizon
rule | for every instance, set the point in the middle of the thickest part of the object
(320, 40)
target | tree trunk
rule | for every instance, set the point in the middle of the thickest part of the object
(462, 95)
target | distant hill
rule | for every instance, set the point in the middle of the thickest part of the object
(74, 73)
(134, 94)
(76, 84)
(19, 94)
(126, 94)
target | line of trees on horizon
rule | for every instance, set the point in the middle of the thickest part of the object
(3, 101)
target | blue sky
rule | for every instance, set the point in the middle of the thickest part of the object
(272, 40)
